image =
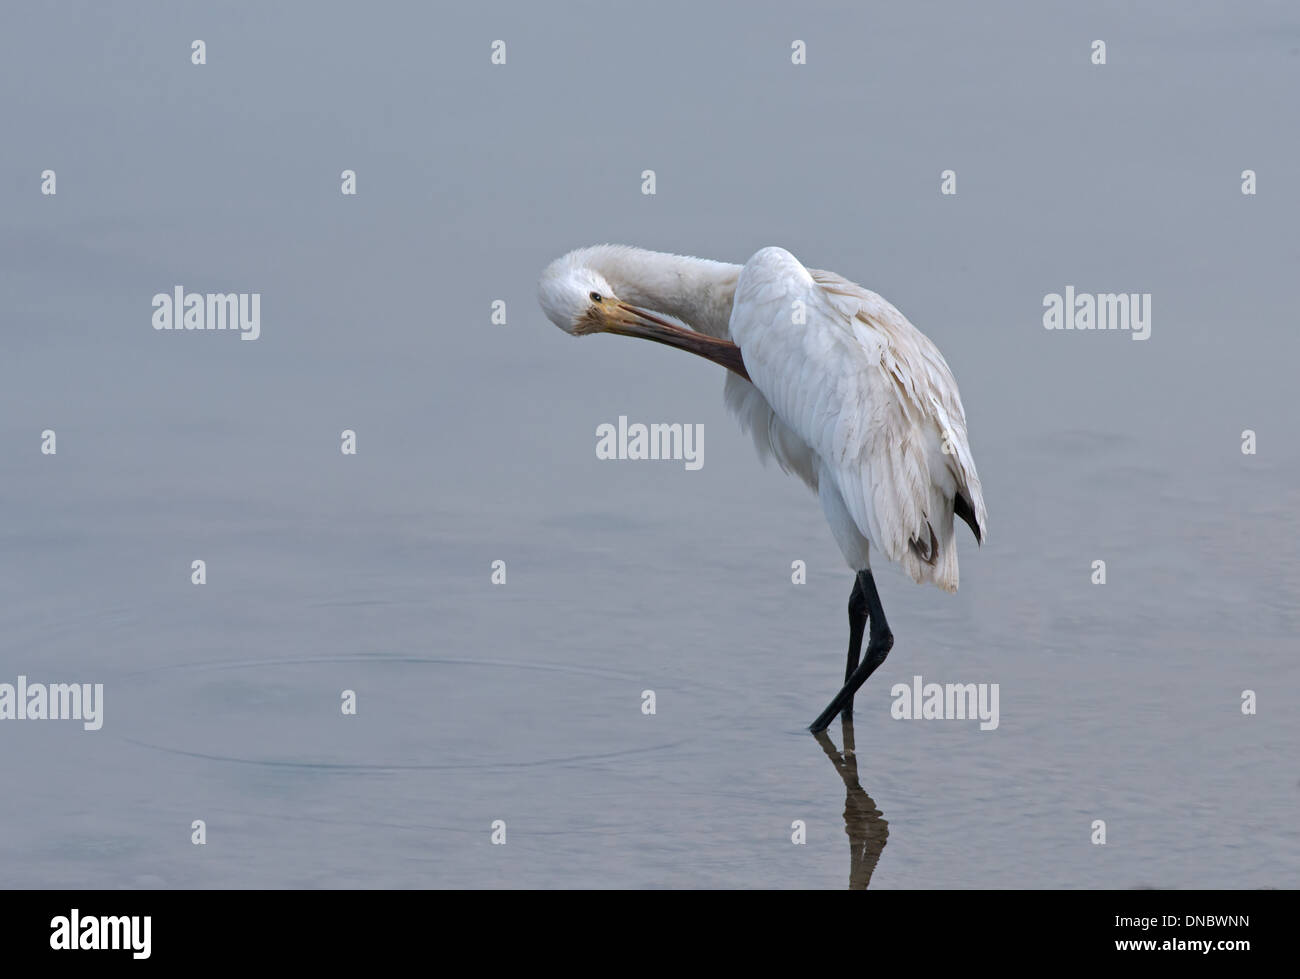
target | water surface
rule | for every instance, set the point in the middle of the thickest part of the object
(522, 702)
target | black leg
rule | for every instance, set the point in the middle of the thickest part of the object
(879, 644)
(857, 627)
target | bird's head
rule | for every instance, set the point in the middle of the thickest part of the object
(580, 300)
(577, 299)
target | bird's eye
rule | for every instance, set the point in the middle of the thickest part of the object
(595, 297)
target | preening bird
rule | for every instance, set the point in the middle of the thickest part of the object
(830, 380)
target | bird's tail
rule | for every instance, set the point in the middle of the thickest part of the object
(931, 557)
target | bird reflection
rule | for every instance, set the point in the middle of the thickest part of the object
(868, 831)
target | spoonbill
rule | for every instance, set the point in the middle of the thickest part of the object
(830, 380)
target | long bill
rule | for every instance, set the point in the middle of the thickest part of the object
(634, 322)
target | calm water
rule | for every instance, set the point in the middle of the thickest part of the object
(521, 702)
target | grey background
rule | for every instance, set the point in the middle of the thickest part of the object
(476, 443)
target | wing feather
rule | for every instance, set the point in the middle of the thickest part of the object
(871, 396)
(927, 390)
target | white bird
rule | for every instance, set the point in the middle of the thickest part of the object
(830, 380)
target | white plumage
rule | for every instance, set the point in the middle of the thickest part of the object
(828, 379)
(844, 392)
(873, 401)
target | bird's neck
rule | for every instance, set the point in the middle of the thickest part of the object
(697, 291)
